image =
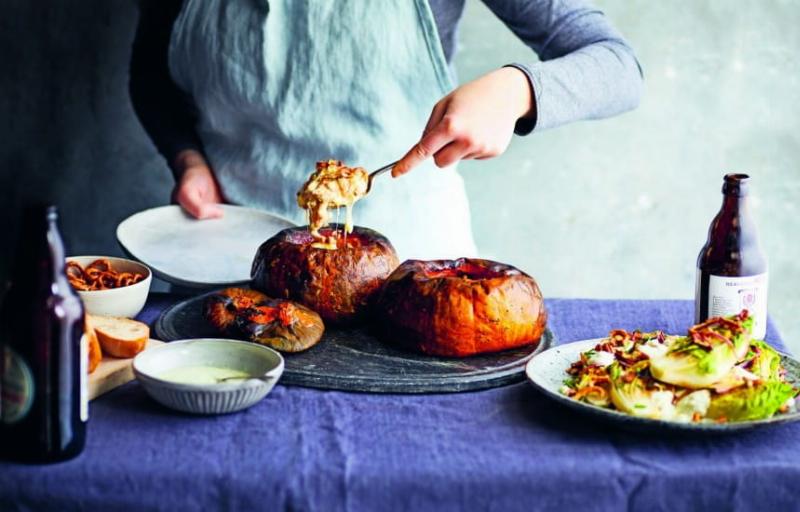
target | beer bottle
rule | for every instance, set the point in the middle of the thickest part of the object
(43, 395)
(732, 267)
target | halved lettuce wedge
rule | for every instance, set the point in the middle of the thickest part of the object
(766, 362)
(630, 393)
(736, 329)
(752, 402)
(692, 366)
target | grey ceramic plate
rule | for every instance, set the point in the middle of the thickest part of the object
(355, 359)
(198, 253)
(548, 370)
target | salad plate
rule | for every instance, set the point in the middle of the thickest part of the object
(547, 372)
(198, 253)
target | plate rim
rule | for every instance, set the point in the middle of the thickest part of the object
(626, 420)
(178, 280)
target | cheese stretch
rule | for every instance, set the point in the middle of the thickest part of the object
(331, 185)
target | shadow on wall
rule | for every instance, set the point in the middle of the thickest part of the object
(69, 133)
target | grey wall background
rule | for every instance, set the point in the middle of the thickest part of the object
(616, 208)
(621, 207)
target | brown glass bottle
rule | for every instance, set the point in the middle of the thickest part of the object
(43, 397)
(732, 267)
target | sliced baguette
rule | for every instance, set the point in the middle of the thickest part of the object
(120, 337)
(95, 355)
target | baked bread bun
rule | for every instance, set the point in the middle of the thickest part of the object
(340, 284)
(251, 315)
(120, 337)
(461, 307)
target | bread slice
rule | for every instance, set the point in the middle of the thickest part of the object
(120, 337)
(95, 354)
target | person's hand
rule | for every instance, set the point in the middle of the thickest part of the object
(197, 191)
(474, 121)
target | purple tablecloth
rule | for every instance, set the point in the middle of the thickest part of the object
(502, 449)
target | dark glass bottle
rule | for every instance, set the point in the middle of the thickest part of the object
(732, 268)
(43, 410)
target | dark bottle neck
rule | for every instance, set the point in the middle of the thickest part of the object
(733, 247)
(55, 247)
(734, 219)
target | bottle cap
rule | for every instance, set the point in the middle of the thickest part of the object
(736, 185)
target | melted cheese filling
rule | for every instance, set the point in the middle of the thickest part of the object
(331, 185)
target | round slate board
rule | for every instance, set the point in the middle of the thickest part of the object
(353, 359)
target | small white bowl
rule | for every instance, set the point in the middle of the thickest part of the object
(262, 363)
(127, 301)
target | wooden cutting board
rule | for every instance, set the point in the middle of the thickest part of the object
(113, 372)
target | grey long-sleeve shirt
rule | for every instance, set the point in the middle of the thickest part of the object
(586, 70)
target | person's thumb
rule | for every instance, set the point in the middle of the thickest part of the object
(207, 210)
(191, 199)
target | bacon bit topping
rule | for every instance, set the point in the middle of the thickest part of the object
(704, 333)
(696, 417)
(268, 314)
(619, 335)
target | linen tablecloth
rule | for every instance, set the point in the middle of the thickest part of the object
(502, 449)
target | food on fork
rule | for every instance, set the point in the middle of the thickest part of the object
(332, 185)
(340, 285)
(120, 337)
(461, 307)
(99, 275)
(252, 316)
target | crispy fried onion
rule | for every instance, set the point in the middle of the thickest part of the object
(714, 329)
(593, 393)
(98, 275)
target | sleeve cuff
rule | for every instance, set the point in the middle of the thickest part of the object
(175, 147)
(526, 125)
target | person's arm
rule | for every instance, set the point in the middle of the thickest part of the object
(166, 113)
(587, 71)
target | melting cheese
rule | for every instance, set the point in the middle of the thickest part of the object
(331, 185)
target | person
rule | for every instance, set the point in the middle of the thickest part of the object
(242, 97)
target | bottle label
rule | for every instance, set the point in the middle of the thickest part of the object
(729, 295)
(84, 378)
(16, 390)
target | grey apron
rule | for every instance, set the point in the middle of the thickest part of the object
(280, 84)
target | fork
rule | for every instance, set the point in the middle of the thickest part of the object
(377, 173)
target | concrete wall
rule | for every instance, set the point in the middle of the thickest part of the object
(621, 207)
(615, 208)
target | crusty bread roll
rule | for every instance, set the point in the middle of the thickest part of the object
(120, 337)
(459, 308)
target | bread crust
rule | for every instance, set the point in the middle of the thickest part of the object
(253, 316)
(340, 284)
(459, 308)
